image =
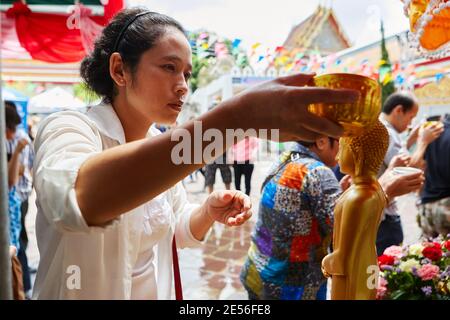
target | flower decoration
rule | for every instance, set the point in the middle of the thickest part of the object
(420, 271)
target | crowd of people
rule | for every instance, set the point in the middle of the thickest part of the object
(295, 220)
(237, 162)
(110, 200)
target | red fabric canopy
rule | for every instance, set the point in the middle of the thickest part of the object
(59, 38)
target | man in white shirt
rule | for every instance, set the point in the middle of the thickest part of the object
(399, 110)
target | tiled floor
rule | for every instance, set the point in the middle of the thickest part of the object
(212, 272)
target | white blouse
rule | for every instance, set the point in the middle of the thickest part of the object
(129, 258)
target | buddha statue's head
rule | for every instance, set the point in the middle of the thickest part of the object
(363, 154)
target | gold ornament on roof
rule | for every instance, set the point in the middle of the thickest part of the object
(429, 25)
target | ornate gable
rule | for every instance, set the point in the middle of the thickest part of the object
(320, 31)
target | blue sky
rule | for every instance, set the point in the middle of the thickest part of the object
(269, 21)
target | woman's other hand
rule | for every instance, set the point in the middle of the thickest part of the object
(229, 207)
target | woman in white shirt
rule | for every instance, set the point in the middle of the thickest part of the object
(108, 196)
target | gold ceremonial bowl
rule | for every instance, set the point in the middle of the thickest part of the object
(353, 117)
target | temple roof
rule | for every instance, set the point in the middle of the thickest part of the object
(321, 31)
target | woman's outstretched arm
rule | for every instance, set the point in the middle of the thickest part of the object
(124, 177)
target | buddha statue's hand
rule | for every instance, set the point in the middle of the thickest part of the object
(325, 273)
(326, 266)
(332, 265)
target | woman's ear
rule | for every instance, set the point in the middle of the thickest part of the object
(117, 70)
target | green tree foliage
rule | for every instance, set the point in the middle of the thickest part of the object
(197, 65)
(385, 71)
(82, 92)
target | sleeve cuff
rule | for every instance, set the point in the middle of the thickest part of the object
(183, 233)
(79, 224)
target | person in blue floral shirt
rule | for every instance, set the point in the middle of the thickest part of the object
(12, 120)
(294, 228)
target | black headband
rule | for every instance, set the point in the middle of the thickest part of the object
(125, 27)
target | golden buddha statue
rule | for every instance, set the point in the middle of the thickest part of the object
(357, 215)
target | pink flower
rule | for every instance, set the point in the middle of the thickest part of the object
(382, 282)
(382, 288)
(394, 251)
(428, 272)
(381, 292)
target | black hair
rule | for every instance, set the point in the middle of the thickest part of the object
(435, 118)
(406, 100)
(130, 33)
(12, 117)
(308, 144)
